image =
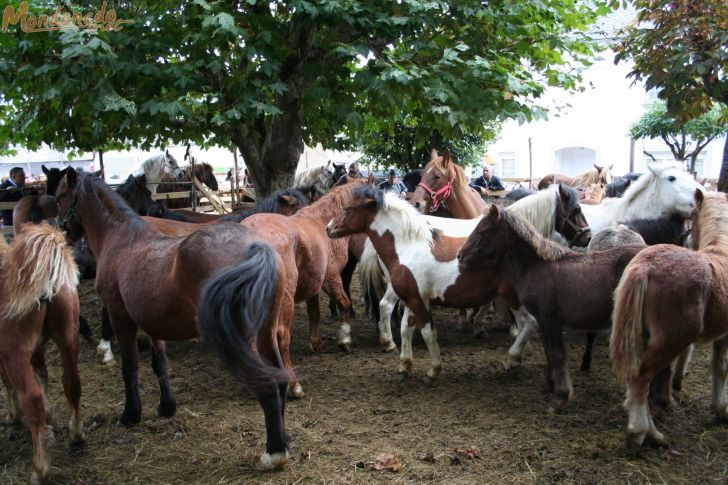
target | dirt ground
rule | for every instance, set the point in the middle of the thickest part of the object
(478, 423)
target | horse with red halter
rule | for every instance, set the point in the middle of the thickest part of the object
(657, 316)
(313, 262)
(40, 301)
(157, 283)
(597, 175)
(443, 186)
(555, 285)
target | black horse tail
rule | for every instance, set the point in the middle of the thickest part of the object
(235, 304)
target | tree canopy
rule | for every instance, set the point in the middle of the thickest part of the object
(268, 77)
(685, 139)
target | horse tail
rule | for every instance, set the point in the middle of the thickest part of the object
(235, 304)
(372, 277)
(37, 265)
(628, 333)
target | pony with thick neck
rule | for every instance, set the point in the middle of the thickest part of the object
(40, 303)
(664, 189)
(443, 184)
(658, 316)
(158, 283)
(555, 285)
(156, 167)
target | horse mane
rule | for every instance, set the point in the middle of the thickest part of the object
(713, 221)
(591, 176)
(92, 186)
(410, 223)
(540, 208)
(335, 199)
(544, 248)
(36, 266)
(304, 176)
(269, 205)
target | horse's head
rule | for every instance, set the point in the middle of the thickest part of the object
(436, 183)
(570, 221)
(339, 172)
(135, 192)
(708, 218)
(604, 174)
(67, 195)
(206, 174)
(485, 244)
(673, 189)
(171, 167)
(358, 215)
(53, 176)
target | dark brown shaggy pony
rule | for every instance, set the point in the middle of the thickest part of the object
(657, 315)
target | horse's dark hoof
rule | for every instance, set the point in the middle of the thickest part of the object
(167, 410)
(585, 368)
(403, 376)
(129, 419)
(558, 405)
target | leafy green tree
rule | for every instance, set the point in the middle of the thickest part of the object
(685, 139)
(681, 49)
(269, 76)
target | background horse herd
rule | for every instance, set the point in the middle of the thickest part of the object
(234, 281)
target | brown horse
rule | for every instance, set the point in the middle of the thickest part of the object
(39, 302)
(157, 283)
(556, 285)
(313, 261)
(669, 298)
(599, 175)
(443, 184)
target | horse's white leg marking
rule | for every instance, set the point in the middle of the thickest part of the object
(720, 371)
(386, 306)
(681, 367)
(297, 391)
(528, 324)
(429, 334)
(76, 427)
(103, 351)
(344, 334)
(407, 331)
(639, 422)
(270, 461)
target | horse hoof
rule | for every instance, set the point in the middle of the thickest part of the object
(296, 392)
(167, 410)
(403, 376)
(722, 415)
(317, 347)
(389, 347)
(513, 363)
(557, 406)
(129, 419)
(656, 440)
(271, 461)
(634, 442)
(345, 347)
(37, 478)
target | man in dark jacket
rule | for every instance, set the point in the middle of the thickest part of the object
(12, 191)
(393, 185)
(487, 181)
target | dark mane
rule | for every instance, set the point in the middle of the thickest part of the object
(90, 185)
(269, 205)
(368, 192)
(544, 249)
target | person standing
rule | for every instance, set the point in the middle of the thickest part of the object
(394, 185)
(487, 181)
(12, 191)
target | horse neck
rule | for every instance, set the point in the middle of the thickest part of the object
(100, 217)
(322, 210)
(462, 203)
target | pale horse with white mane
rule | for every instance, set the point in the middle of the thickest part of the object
(663, 190)
(156, 167)
(539, 209)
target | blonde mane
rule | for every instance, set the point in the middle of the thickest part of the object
(37, 265)
(539, 209)
(407, 222)
(544, 248)
(713, 222)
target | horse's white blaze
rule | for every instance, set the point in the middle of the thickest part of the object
(103, 351)
(269, 461)
(662, 190)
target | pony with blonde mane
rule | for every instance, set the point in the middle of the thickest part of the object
(40, 302)
(658, 316)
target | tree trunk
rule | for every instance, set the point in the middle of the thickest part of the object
(723, 179)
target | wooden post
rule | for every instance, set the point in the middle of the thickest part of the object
(193, 192)
(530, 162)
(631, 154)
(101, 165)
(235, 185)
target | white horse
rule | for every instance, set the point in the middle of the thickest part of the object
(664, 189)
(322, 177)
(540, 209)
(156, 167)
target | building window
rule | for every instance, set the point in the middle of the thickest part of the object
(666, 156)
(507, 166)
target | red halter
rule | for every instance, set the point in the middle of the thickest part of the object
(438, 196)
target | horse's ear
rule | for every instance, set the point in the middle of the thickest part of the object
(287, 200)
(494, 213)
(166, 152)
(599, 169)
(142, 180)
(45, 170)
(611, 167)
(433, 154)
(698, 197)
(71, 177)
(446, 157)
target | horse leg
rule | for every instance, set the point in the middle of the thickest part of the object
(407, 330)
(167, 401)
(462, 320)
(556, 355)
(479, 321)
(285, 318)
(528, 324)
(681, 368)
(272, 398)
(346, 274)
(22, 379)
(13, 411)
(586, 359)
(40, 369)
(85, 329)
(429, 335)
(126, 332)
(720, 370)
(386, 307)
(314, 316)
(103, 350)
(659, 396)
(334, 288)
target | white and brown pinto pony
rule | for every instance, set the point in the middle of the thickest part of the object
(40, 301)
(657, 317)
